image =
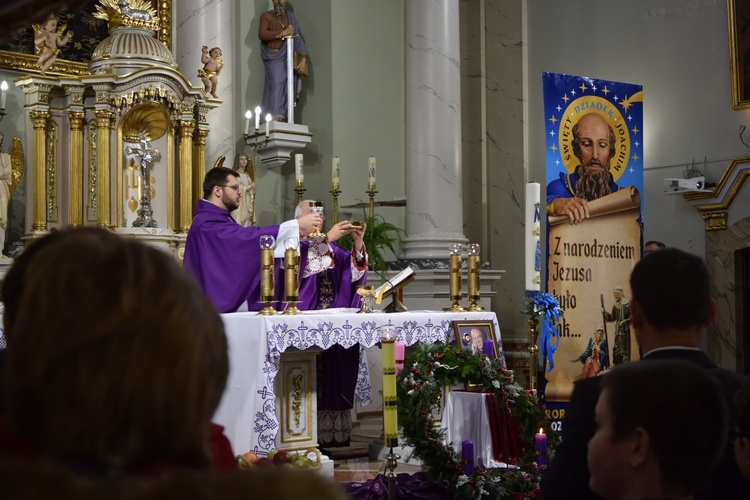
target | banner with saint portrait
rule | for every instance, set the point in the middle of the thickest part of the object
(594, 159)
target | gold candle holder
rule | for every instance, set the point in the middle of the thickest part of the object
(335, 191)
(371, 192)
(455, 292)
(266, 274)
(473, 265)
(300, 190)
(291, 274)
(533, 351)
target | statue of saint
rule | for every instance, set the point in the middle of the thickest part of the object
(245, 213)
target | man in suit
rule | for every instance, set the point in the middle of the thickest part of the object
(670, 308)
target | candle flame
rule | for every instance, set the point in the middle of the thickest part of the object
(541, 430)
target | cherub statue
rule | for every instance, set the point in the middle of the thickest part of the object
(11, 170)
(212, 65)
(49, 38)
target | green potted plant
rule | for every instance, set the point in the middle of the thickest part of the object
(380, 236)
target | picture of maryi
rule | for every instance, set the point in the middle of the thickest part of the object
(473, 334)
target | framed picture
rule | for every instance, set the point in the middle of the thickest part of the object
(738, 15)
(472, 334)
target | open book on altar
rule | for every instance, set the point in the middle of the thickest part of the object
(399, 281)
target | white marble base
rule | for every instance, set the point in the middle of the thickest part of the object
(283, 138)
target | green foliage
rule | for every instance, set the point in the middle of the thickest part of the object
(379, 237)
(425, 373)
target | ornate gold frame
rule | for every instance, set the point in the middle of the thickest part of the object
(26, 63)
(736, 12)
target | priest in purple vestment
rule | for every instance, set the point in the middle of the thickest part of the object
(275, 28)
(330, 278)
(223, 255)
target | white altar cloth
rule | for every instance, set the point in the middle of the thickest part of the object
(248, 407)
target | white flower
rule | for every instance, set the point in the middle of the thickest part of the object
(496, 384)
(462, 480)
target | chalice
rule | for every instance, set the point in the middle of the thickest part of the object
(316, 207)
(367, 292)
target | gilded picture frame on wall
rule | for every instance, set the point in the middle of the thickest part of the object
(738, 17)
(19, 54)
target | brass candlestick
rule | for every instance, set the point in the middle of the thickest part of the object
(291, 273)
(533, 351)
(474, 271)
(300, 189)
(371, 191)
(266, 274)
(335, 191)
(455, 293)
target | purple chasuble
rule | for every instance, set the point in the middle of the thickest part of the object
(224, 257)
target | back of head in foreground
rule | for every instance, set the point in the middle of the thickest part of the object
(118, 360)
(660, 430)
(671, 292)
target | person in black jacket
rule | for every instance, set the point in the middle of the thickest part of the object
(670, 308)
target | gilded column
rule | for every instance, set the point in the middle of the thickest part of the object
(103, 205)
(186, 175)
(39, 120)
(199, 163)
(76, 168)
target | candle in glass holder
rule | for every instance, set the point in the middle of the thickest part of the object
(540, 442)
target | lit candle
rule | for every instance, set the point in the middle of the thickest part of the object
(371, 171)
(257, 117)
(467, 456)
(3, 93)
(532, 231)
(335, 172)
(268, 121)
(139, 187)
(390, 410)
(248, 115)
(400, 350)
(298, 175)
(488, 347)
(540, 441)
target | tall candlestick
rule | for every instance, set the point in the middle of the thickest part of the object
(298, 175)
(371, 172)
(257, 117)
(399, 353)
(540, 442)
(390, 409)
(248, 115)
(532, 231)
(467, 456)
(335, 172)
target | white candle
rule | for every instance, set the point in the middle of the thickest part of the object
(335, 171)
(371, 170)
(268, 121)
(298, 175)
(3, 93)
(257, 117)
(532, 231)
(248, 115)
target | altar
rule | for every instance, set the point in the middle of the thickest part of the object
(270, 398)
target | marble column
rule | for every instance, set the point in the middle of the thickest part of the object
(434, 214)
(199, 23)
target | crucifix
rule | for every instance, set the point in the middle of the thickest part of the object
(147, 155)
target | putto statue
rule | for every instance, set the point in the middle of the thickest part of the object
(48, 40)
(212, 66)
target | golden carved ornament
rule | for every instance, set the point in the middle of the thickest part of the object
(148, 118)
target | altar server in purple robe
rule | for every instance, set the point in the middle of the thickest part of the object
(223, 255)
(330, 278)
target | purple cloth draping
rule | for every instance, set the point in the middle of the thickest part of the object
(224, 257)
(414, 486)
(274, 87)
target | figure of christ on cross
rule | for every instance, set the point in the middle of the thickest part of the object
(147, 155)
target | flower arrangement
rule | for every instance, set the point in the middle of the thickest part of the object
(544, 307)
(425, 373)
